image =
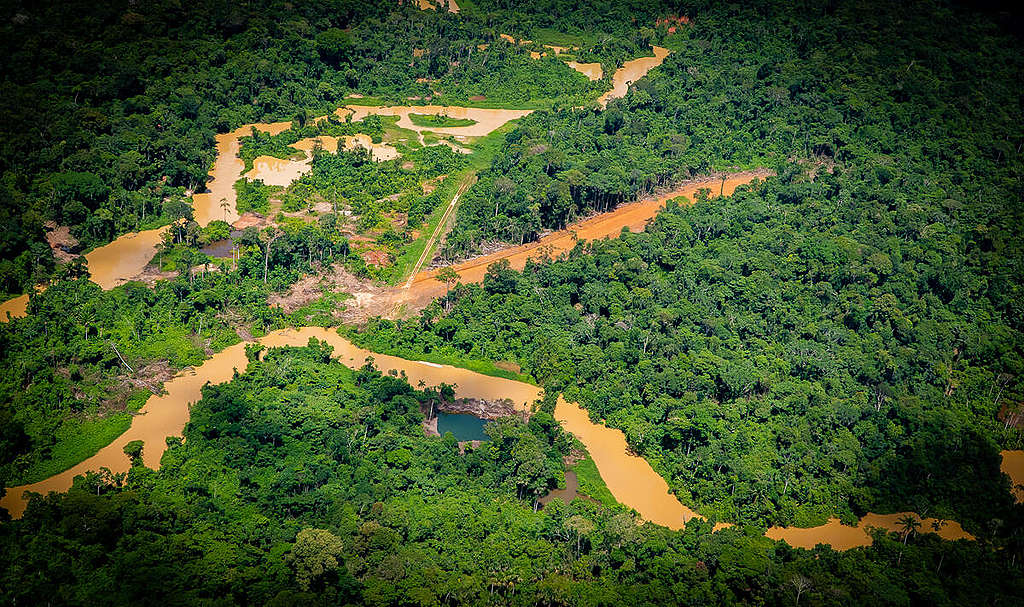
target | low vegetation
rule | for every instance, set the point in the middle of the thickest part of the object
(439, 120)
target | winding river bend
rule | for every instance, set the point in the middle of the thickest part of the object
(424, 287)
(629, 478)
(630, 72)
(166, 414)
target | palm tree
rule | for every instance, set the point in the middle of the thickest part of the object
(908, 524)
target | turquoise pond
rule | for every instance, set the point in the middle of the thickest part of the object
(462, 426)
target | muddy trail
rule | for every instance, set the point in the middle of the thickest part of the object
(442, 228)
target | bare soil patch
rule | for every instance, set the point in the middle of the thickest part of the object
(61, 242)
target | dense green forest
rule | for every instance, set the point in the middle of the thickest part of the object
(304, 482)
(801, 349)
(788, 385)
(64, 388)
(843, 337)
(934, 122)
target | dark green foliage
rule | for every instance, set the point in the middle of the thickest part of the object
(253, 196)
(369, 190)
(762, 361)
(304, 481)
(64, 390)
(756, 89)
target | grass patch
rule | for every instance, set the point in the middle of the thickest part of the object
(398, 136)
(483, 367)
(368, 100)
(430, 138)
(484, 150)
(405, 262)
(439, 120)
(76, 441)
(487, 147)
(592, 484)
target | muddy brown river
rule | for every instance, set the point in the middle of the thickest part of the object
(1013, 467)
(14, 308)
(424, 288)
(282, 172)
(630, 72)
(592, 71)
(629, 477)
(166, 414)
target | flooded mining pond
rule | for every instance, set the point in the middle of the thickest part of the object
(463, 426)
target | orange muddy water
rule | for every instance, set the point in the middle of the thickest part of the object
(219, 201)
(120, 261)
(844, 537)
(109, 266)
(166, 415)
(592, 71)
(1013, 466)
(630, 72)
(633, 482)
(487, 120)
(424, 287)
(277, 171)
(125, 258)
(561, 49)
(14, 308)
(629, 477)
(425, 5)
(282, 172)
(379, 151)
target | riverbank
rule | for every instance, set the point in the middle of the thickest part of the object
(480, 408)
(126, 257)
(166, 414)
(424, 287)
(628, 477)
